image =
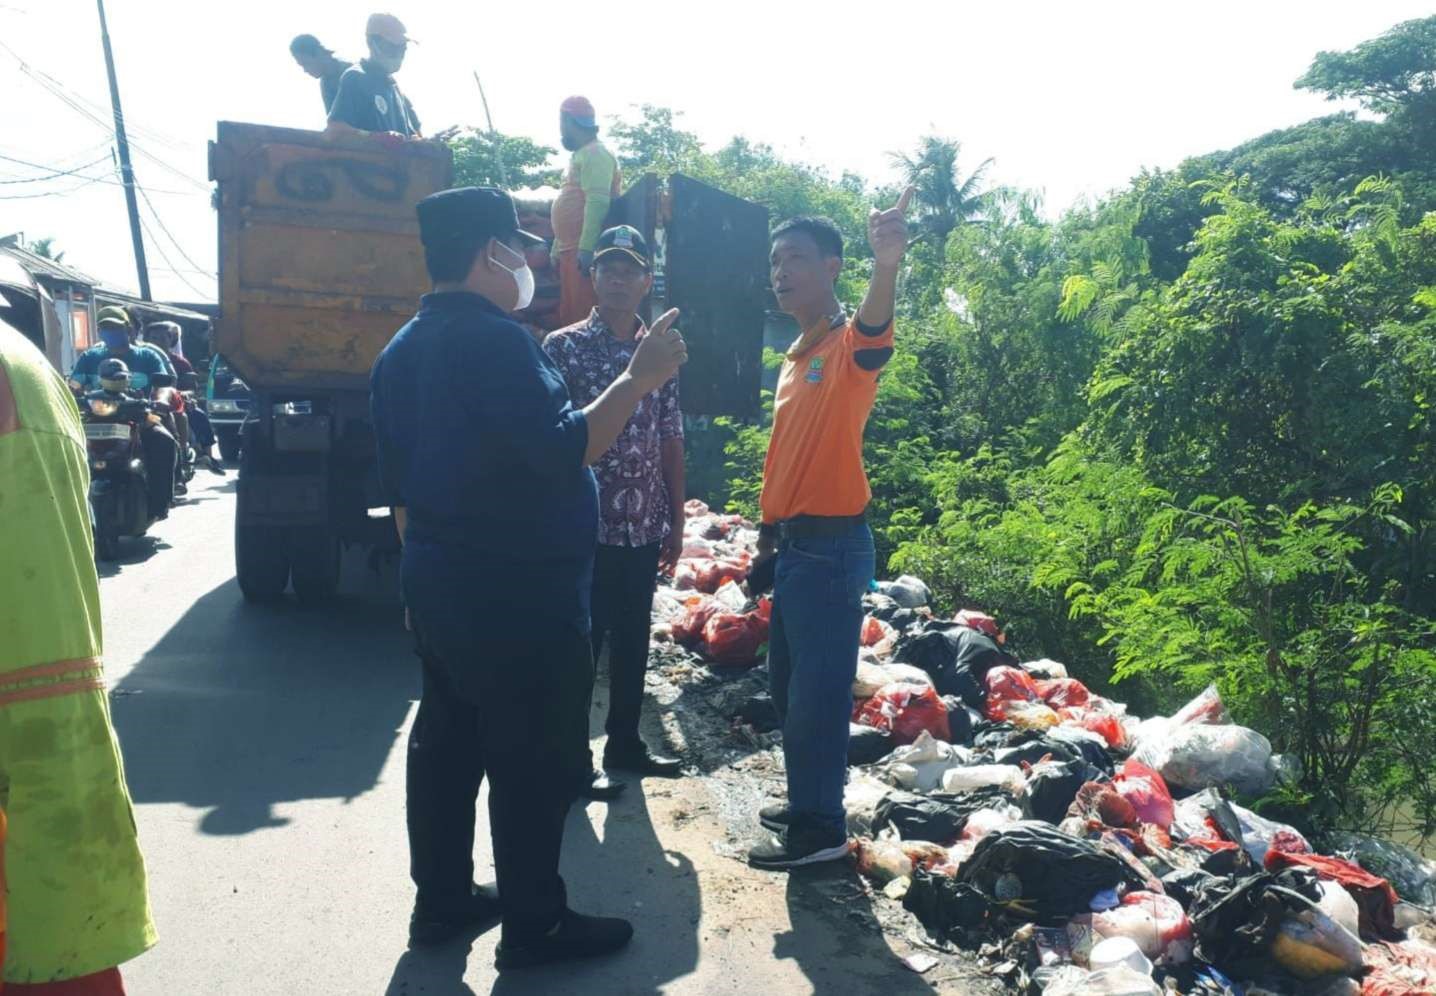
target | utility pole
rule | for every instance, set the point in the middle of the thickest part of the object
(498, 144)
(127, 172)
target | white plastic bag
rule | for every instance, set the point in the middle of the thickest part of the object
(1046, 669)
(860, 801)
(976, 776)
(731, 596)
(1157, 924)
(906, 673)
(869, 679)
(1338, 904)
(907, 591)
(920, 766)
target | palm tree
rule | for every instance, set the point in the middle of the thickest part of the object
(45, 248)
(944, 199)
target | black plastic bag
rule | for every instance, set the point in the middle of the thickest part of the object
(1234, 920)
(1038, 873)
(987, 735)
(944, 905)
(867, 745)
(920, 817)
(760, 713)
(956, 657)
(1051, 787)
(959, 723)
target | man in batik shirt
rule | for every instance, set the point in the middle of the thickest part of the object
(640, 491)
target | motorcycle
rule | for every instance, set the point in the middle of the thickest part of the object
(119, 483)
(171, 404)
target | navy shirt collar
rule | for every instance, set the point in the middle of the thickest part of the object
(460, 301)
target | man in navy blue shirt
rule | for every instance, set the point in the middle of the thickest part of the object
(486, 461)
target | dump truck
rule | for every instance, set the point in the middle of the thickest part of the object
(320, 264)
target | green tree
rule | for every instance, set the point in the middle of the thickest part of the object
(45, 248)
(655, 143)
(944, 199)
(490, 159)
(1391, 74)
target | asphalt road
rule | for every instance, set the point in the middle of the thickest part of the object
(265, 752)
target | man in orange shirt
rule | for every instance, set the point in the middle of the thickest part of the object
(815, 497)
(589, 188)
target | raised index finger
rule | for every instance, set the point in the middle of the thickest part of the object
(664, 323)
(905, 199)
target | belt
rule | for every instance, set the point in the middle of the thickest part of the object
(819, 526)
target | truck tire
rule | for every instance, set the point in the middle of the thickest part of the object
(261, 562)
(261, 551)
(314, 564)
(228, 446)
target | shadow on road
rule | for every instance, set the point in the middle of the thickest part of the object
(240, 708)
(838, 956)
(133, 551)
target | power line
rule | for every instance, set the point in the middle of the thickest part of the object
(62, 94)
(164, 256)
(170, 235)
(51, 174)
(51, 193)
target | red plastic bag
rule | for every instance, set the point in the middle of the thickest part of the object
(1107, 725)
(905, 710)
(1147, 792)
(698, 610)
(980, 621)
(1375, 898)
(1008, 684)
(1406, 969)
(706, 575)
(875, 631)
(1206, 709)
(1063, 693)
(733, 639)
(1102, 805)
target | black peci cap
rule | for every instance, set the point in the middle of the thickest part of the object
(625, 240)
(469, 216)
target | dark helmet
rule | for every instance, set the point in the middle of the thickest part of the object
(114, 375)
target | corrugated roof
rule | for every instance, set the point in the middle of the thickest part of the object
(103, 296)
(42, 267)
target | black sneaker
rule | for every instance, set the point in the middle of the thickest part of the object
(601, 787)
(432, 927)
(574, 936)
(775, 817)
(640, 760)
(795, 848)
(215, 467)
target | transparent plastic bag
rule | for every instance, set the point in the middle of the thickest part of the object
(1413, 877)
(1312, 944)
(1196, 756)
(1157, 924)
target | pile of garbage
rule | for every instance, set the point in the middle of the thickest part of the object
(1080, 849)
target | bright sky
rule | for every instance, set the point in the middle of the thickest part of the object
(1070, 98)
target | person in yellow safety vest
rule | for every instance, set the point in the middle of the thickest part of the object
(581, 208)
(77, 900)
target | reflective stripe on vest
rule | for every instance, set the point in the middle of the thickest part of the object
(81, 675)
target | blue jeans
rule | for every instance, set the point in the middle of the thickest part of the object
(812, 660)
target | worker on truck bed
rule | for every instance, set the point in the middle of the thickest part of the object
(579, 211)
(322, 64)
(369, 101)
(77, 901)
(640, 493)
(499, 528)
(814, 501)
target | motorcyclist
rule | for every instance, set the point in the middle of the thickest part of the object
(166, 336)
(141, 364)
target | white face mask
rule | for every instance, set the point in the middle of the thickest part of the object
(523, 278)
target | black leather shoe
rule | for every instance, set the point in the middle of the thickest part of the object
(601, 788)
(575, 936)
(643, 761)
(428, 927)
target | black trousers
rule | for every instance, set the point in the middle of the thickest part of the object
(624, 578)
(514, 709)
(161, 461)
